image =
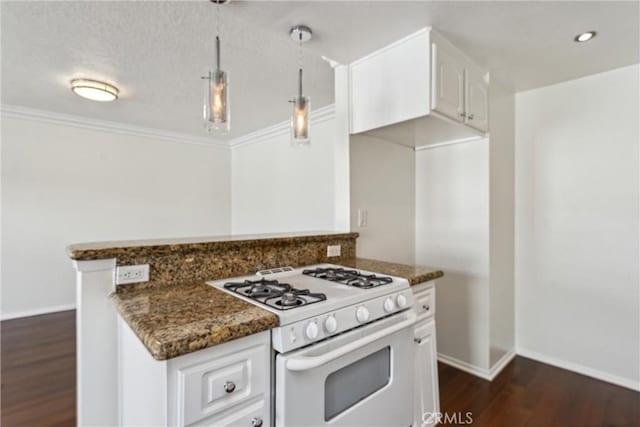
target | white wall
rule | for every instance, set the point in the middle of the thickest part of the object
(452, 233)
(276, 187)
(64, 184)
(383, 184)
(501, 223)
(577, 280)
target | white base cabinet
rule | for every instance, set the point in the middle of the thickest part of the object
(225, 385)
(426, 390)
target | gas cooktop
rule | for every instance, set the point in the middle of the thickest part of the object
(273, 293)
(348, 277)
(295, 294)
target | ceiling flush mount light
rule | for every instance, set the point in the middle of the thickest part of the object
(94, 90)
(301, 104)
(217, 117)
(584, 37)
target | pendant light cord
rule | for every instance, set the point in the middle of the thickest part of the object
(300, 65)
(217, 19)
(218, 36)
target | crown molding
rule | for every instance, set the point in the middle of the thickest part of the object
(24, 113)
(317, 116)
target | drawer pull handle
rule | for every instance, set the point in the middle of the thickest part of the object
(417, 340)
(256, 422)
(229, 387)
(426, 307)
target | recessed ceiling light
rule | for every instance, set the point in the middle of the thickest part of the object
(584, 37)
(94, 90)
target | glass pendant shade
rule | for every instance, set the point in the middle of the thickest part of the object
(216, 103)
(300, 121)
(300, 134)
(217, 118)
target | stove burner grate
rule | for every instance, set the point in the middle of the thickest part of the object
(349, 277)
(294, 298)
(275, 294)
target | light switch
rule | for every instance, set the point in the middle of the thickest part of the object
(362, 218)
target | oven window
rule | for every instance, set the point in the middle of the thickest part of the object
(349, 385)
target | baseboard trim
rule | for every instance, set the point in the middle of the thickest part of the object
(501, 364)
(485, 374)
(579, 369)
(37, 312)
(464, 366)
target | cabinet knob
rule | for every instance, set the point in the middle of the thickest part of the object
(426, 307)
(470, 117)
(229, 387)
(256, 422)
(417, 340)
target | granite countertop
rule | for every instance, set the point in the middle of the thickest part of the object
(185, 317)
(115, 249)
(414, 273)
(176, 320)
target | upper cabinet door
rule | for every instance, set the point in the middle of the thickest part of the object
(477, 99)
(391, 85)
(411, 78)
(448, 82)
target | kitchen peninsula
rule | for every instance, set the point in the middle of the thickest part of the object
(175, 312)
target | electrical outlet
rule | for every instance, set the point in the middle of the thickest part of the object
(132, 274)
(333, 250)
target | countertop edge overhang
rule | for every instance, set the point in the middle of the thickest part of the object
(415, 274)
(113, 249)
(177, 320)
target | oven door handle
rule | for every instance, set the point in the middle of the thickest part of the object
(304, 363)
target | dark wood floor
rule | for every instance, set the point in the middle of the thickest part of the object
(39, 370)
(529, 393)
(38, 386)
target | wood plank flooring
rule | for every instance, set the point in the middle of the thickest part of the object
(529, 393)
(38, 386)
(38, 370)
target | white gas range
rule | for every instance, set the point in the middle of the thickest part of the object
(343, 350)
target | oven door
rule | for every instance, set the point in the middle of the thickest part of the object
(359, 378)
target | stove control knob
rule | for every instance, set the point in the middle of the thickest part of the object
(401, 300)
(362, 314)
(311, 331)
(389, 305)
(330, 324)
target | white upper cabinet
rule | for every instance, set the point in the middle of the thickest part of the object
(391, 85)
(476, 99)
(448, 82)
(422, 76)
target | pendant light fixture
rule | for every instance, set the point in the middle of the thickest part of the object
(217, 117)
(301, 104)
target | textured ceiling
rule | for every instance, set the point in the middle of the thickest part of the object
(155, 52)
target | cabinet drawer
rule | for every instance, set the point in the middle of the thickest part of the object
(425, 304)
(210, 387)
(246, 415)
